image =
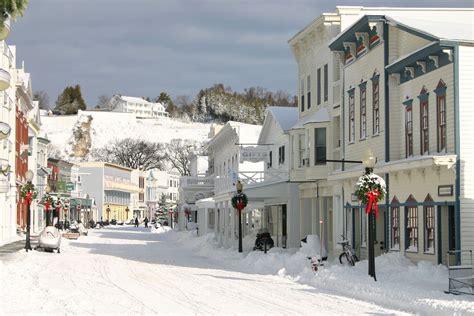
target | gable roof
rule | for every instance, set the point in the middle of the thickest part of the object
(286, 117)
(320, 116)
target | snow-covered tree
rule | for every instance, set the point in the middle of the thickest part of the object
(178, 154)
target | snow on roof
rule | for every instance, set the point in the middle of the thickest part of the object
(134, 99)
(319, 116)
(442, 24)
(285, 116)
(248, 133)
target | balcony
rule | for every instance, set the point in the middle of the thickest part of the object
(4, 79)
(119, 184)
(4, 29)
(250, 179)
(5, 130)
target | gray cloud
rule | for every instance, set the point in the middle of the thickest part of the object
(143, 47)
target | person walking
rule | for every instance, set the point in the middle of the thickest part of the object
(146, 222)
(136, 221)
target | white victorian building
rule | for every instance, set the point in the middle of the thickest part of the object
(407, 76)
(140, 107)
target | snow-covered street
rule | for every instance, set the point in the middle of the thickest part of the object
(128, 270)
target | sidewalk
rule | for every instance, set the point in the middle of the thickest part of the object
(16, 246)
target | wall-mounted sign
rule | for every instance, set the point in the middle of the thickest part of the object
(4, 184)
(254, 154)
(445, 190)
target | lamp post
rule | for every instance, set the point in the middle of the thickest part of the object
(108, 212)
(29, 177)
(238, 186)
(126, 212)
(47, 190)
(369, 163)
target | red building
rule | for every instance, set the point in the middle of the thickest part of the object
(21, 164)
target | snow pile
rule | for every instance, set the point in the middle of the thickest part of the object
(160, 229)
(107, 127)
(400, 284)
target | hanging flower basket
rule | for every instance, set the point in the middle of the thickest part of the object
(28, 192)
(370, 190)
(239, 201)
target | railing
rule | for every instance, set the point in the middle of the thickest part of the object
(249, 179)
(111, 182)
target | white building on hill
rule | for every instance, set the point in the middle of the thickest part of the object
(142, 108)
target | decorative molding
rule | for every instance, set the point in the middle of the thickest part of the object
(362, 42)
(422, 65)
(434, 59)
(449, 52)
(349, 51)
(375, 33)
(410, 71)
(395, 77)
(340, 55)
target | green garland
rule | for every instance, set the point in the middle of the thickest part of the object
(28, 187)
(237, 197)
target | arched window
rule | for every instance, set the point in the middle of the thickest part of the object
(411, 225)
(429, 225)
(395, 224)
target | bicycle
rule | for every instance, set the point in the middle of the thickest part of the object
(347, 256)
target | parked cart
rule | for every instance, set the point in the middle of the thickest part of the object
(461, 277)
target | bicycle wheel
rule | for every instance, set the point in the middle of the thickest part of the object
(344, 259)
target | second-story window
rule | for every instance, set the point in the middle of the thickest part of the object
(424, 127)
(409, 130)
(326, 83)
(441, 109)
(320, 146)
(301, 149)
(270, 158)
(363, 112)
(375, 105)
(318, 90)
(302, 95)
(308, 88)
(351, 116)
(281, 155)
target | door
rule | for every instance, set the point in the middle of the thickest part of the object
(284, 226)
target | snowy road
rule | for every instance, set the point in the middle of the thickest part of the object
(130, 270)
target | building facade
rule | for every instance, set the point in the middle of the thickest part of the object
(140, 107)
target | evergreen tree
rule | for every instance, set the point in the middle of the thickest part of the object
(70, 101)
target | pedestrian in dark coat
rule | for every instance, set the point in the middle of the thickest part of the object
(136, 221)
(146, 222)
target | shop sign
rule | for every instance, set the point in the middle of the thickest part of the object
(254, 154)
(445, 190)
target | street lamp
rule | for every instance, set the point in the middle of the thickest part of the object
(28, 198)
(108, 211)
(126, 211)
(239, 201)
(369, 161)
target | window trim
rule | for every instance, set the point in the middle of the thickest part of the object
(424, 132)
(308, 92)
(318, 87)
(408, 128)
(427, 208)
(409, 229)
(394, 210)
(326, 82)
(375, 104)
(363, 110)
(351, 115)
(319, 146)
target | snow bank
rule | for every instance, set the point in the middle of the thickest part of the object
(400, 284)
(160, 229)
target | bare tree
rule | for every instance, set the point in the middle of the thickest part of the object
(179, 152)
(133, 153)
(43, 99)
(103, 102)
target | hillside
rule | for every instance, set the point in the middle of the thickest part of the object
(75, 136)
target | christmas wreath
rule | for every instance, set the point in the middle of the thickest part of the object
(370, 190)
(47, 201)
(239, 201)
(28, 192)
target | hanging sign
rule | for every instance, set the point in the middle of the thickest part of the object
(254, 154)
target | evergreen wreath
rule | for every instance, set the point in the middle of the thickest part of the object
(370, 183)
(239, 197)
(47, 198)
(28, 187)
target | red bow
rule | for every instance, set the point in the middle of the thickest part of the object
(29, 197)
(373, 195)
(240, 204)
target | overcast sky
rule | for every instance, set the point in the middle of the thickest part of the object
(143, 47)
